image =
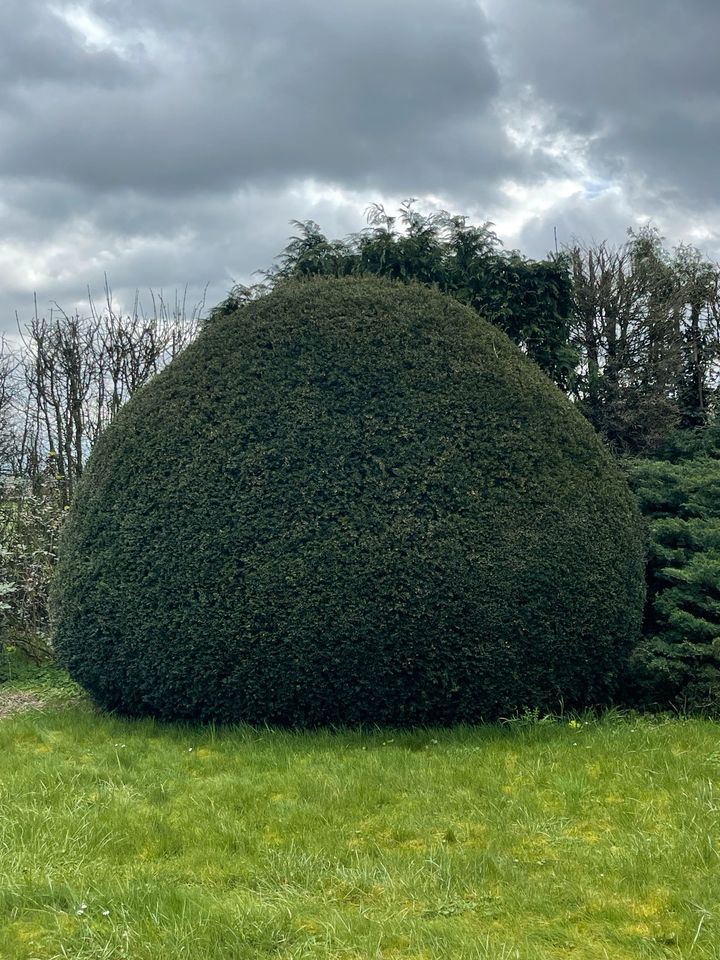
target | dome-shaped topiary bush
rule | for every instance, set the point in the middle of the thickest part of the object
(352, 501)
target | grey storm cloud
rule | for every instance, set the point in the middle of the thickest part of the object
(640, 80)
(219, 95)
(39, 53)
(166, 142)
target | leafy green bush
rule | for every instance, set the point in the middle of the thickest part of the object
(352, 501)
(678, 661)
(681, 445)
(530, 300)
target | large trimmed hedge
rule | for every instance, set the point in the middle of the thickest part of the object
(352, 501)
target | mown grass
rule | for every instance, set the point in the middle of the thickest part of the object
(528, 840)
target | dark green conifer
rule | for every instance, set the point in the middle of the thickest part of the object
(350, 501)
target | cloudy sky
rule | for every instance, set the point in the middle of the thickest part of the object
(168, 143)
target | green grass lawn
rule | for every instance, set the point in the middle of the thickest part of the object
(527, 840)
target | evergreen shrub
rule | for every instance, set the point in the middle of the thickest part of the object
(678, 661)
(350, 501)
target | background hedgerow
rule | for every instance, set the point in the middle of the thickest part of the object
(351, 501)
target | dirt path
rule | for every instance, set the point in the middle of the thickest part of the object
(15, 701)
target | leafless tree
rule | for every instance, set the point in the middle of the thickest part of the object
(75, 371)
(646, 331)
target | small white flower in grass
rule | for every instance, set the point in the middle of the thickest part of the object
(106, 913)
(190, 749)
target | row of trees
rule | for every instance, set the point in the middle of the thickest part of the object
(64, 377)
(646, 325)
(630, 333)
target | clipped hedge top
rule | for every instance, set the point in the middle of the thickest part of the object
(351, 501)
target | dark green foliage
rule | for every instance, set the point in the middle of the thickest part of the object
(530, 300)
(683, 445)
(352, 501)
(678, 661)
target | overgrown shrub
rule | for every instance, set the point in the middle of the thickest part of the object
(678, 661)
(530, 300)
(351, 501)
